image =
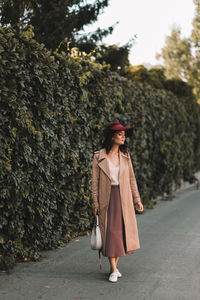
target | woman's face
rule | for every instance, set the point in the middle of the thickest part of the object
(119, 137)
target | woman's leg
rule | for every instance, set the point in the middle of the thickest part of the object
(113, 265)
(116, 260)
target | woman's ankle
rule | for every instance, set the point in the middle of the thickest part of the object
(112, 270)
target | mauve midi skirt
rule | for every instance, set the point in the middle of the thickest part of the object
(115, 235)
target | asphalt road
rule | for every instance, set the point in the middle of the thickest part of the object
(166, 267)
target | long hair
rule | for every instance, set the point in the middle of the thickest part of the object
(108, 142)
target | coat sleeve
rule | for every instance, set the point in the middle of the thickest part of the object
(95, 182)
(133, 183)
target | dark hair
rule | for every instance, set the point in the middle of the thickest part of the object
(107, 143)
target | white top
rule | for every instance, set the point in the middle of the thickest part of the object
(114, 173)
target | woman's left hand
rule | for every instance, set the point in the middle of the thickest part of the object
(139, 206)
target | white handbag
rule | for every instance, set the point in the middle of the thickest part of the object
(96, 240)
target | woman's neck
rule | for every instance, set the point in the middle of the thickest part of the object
(114, 149)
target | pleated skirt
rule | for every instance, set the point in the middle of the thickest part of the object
(115, 235)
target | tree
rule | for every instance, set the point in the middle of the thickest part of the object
(54, 21)
(196, 26)
(182, 55)
(195, 40)
(155, 76)
(116, 56)
(177, 55)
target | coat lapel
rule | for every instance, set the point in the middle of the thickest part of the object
(103, 162)
(122, 162)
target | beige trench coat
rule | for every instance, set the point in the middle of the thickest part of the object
(101, 188)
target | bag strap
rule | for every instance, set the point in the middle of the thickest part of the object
(99, 252)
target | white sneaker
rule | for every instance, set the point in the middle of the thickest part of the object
(113, 277)
(119, 274)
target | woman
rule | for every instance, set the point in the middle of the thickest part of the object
(114, 194)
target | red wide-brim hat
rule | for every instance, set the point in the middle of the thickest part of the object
(119, 127)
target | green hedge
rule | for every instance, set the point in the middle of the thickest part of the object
(53, 111)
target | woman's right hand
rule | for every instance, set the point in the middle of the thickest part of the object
(95, 211)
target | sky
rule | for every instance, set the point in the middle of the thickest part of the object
(150, 20)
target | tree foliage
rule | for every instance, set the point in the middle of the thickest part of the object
(177, 55)
(55, 21)
(156, 77)
(182, 55)
(116, 56)
(59, 26)
(196, 26)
